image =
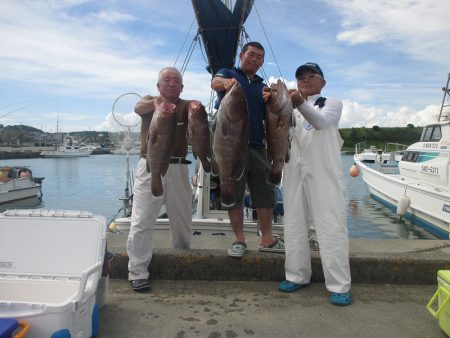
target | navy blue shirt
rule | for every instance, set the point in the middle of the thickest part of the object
(256, 106)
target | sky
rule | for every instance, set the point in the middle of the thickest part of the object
(66, 63)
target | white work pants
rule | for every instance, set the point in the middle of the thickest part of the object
(146, 208)
(315, 196)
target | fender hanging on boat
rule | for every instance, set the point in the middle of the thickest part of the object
(402, 206)
(354, 170)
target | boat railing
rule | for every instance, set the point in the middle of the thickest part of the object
(359, 147)
(395, 147)
(444, 113)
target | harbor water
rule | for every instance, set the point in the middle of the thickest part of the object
(96, 183)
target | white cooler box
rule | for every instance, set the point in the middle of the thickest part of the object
(50, 265)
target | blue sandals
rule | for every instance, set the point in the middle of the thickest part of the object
(341, 299)
(287, 286)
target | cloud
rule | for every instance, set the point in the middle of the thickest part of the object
(357, 115)
(417, 28)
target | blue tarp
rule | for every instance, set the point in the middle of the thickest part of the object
(220, 30)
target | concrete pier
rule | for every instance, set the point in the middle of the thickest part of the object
(204, 293)
(371, 261)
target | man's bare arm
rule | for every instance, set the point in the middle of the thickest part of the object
(145, 106)
(221, 84)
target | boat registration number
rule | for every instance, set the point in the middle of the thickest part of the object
(430, 170)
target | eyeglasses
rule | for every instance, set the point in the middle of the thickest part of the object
(307, 77)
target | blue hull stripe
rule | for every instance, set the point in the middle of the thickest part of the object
(438, 232)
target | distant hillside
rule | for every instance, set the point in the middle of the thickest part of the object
(18, 134)
(377, 136)
(25, 135)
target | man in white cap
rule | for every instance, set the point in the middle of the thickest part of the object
(313, 189)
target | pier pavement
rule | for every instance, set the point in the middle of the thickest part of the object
(204, 293)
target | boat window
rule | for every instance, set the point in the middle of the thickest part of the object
(426, 134)
(427, 156)
(410, 156)
(436, 134)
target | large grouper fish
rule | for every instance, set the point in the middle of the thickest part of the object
(160, 138)
(230, 141)
(278, 122)
(199, 136)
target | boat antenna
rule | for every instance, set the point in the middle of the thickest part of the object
(57, 115)
(446, 91)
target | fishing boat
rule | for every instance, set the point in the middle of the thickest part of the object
(68, 149)
(391, 152)
(18, 183)
(368, 155)
(417, 186)
(221, 30)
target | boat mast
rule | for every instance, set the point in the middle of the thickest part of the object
(228, 4)
(445, 98)
(57, 116)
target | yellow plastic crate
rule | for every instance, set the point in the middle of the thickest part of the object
(441, 311)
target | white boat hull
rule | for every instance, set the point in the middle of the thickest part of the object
(18, 189)
(63, 154)
(428, 208)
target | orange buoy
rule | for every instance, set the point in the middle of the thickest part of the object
(354, 170)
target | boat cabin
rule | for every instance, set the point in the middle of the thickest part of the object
(428, 159)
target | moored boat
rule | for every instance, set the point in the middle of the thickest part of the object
(68, 149)
(418, 185)
(18, 183)
(369, 155)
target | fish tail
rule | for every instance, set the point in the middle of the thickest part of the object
(206, 165)
(227, 195)
(214, 168)
(274, 177)
(156, 186)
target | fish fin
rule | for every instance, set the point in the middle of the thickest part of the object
(156, 186)
(214, 168)
(281, 122)
(147, 167)
(242, 173)
(274, 177)
(227, 195)
(153, 139)
(225, 128)
(206, 166)
(164, 171)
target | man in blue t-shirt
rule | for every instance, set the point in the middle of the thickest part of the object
(256, 164)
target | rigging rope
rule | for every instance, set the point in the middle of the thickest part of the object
(189, 54)
(184, 42)
(268, 42)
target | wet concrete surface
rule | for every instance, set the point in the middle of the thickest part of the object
(213, 309)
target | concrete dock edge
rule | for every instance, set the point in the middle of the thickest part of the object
(371, 262)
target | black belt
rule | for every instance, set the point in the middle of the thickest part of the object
(179, 160)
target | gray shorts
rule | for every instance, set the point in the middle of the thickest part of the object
(262, 193)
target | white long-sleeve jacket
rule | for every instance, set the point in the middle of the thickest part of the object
(316, 136)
